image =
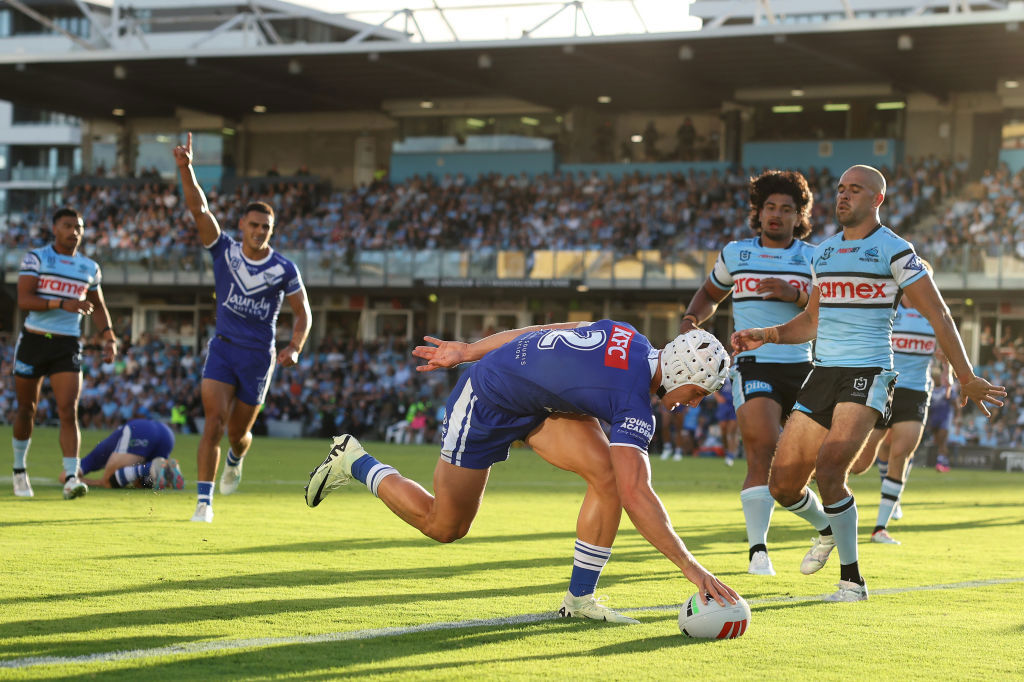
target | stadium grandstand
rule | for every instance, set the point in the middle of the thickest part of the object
(431, 182)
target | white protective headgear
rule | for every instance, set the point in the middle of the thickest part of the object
(695, 357)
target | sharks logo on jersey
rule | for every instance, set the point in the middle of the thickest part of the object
(741, 267)
(858, 295)
(250, 293)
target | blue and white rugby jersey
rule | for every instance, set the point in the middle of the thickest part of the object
(740, 268)
(603, 369)
(860, 282)
(913, 346)
(249, 293)
(59, 277)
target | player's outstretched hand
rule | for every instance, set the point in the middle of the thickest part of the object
(981, 392)
(747, 339)
(441, 355)
(710, 586)
(183, 153)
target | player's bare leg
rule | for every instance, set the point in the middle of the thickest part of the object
(66, 388)
(27, 392)
(448, 514)
(239, 430)
(791, 471)
(904, 439)
(851, 425)
(758, 420)
(875, 448)
(217, 397)
(578, 444)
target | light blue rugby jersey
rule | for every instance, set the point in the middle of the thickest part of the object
(913, 346)
(59, 277)
(860, 282)
(740, 268)
(249, 293)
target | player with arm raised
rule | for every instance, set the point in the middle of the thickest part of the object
(549, 385)
(859, 275)
(769, 277)
(57, 287)
(252, 280)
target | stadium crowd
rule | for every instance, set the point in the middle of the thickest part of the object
(365, 388)
(371, 389)
(673, 213)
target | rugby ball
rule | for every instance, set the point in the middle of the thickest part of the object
(712, 621)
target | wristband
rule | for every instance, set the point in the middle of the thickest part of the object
(692, 318)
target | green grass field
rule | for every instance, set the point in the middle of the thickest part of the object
(120, 585)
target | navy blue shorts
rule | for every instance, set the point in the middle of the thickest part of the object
(827, 386)
(247, 369)
(477, 434)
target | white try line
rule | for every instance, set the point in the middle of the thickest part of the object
(376, 633)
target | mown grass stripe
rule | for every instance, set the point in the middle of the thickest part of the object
(229, 645)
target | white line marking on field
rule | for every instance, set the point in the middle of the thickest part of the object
(376, 633)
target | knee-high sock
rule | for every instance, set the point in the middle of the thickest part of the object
(810, 508)
(587, 563)
(891, 491)
(368, 471)
(842, 516)
(758, 505)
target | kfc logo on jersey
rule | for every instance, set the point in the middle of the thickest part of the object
(913, 344)
(616, 352)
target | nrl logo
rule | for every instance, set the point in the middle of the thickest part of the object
(860, 383)
(744, 255)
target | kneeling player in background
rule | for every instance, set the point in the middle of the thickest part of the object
(548, 385)
(135, 455)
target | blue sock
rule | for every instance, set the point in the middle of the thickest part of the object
(204, 492)
(810, 509)
(368, 471)
(71, 466)
(20, 448)
(842, 516)
(233, 459)
(758, 505)
(587, 564)
(129, 474)
(891, 491)
(883, 469)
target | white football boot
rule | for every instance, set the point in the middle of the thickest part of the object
(335, 471)
(588, 607)
(849, 591)
(897, 511)
(156, 473)
(231, 477)
(817, 555)
(882, 536)
(204, 513)
(22, 486)
(74, 487)
(761, 564)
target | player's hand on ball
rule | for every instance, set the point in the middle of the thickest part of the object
(711, 587)
(441, 355)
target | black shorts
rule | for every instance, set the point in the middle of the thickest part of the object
(38, 355)
(908, 405)
(828, 386)
(779, 381)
